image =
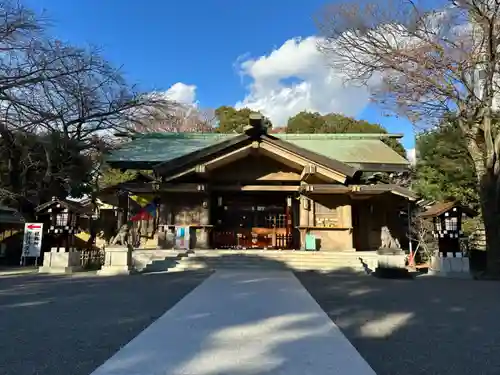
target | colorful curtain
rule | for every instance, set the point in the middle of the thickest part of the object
(145, 213)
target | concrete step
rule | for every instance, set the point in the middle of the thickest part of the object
(285, 253)
(268, 264)
(290, 256)
(156, 260)
(284, 259)
(181, 267)
(178, 260)
(160, 265)
(276, 260)
(280, 265)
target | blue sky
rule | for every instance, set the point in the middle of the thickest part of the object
(214, 50)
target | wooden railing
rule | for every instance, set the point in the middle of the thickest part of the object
(251, 240)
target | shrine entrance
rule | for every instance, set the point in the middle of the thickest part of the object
(254, 220)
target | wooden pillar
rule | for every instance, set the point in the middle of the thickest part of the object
(205, 210)
(304, 211)
(123, 206)
(304, 218)
(347, 222)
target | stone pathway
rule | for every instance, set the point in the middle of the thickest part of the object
(241, 322)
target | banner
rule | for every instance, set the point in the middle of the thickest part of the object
(32, 241)
(145, 213)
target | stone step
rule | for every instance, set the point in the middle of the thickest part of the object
(284, 260)
(178, 260)
(263, 263)
(278, 265)
(159, 265)
(284, 253)
(267, 267)
(282, 256)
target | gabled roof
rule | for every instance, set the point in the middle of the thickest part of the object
(363, 151)
(145, 150)
(440, 208)
(71, 206)
(312, 155)
(184, 159)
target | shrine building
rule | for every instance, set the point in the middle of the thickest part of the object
(258, 190)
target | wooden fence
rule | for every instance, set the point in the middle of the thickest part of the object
(92, 258)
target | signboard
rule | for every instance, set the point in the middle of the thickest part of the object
(32, 243)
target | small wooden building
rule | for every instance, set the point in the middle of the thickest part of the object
(447, 220)
(62, 220)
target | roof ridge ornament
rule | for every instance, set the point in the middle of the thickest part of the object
(257, 125)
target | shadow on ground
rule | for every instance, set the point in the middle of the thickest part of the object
(411, 325)
(414, 326)
(70, 325)
(422, 326)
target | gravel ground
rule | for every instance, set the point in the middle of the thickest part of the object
(421, 326)
(71, 325)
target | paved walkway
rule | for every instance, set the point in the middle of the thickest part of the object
(241, 322)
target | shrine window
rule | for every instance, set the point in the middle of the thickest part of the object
(62, 219)
(451, 224)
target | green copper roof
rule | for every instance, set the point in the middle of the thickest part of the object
(353, 149)
(348, 148)
(161, 147)
(343, 136)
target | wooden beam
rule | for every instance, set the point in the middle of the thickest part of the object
(229, 157)
(215, 163)
(201, 169)
(325, 189)
(284, 188)
(164, 187)
(288, 157)
(308, 171)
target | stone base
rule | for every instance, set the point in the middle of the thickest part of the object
(114, 271)
(450, 267)
(59, 270)
(391, 263)
(63, 263)
(394, 259)
(117, 261)
(389, 251)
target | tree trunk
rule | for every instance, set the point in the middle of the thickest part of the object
(491, 218)
(490, 208)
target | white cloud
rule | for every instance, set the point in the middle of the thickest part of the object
(296, 77)
(182, 93)
(411, 155)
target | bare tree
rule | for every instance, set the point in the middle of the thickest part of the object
(182, 118)
(420, 233)
(58, 92)
(427, 63)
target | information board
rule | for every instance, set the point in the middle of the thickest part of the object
(32, 242)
